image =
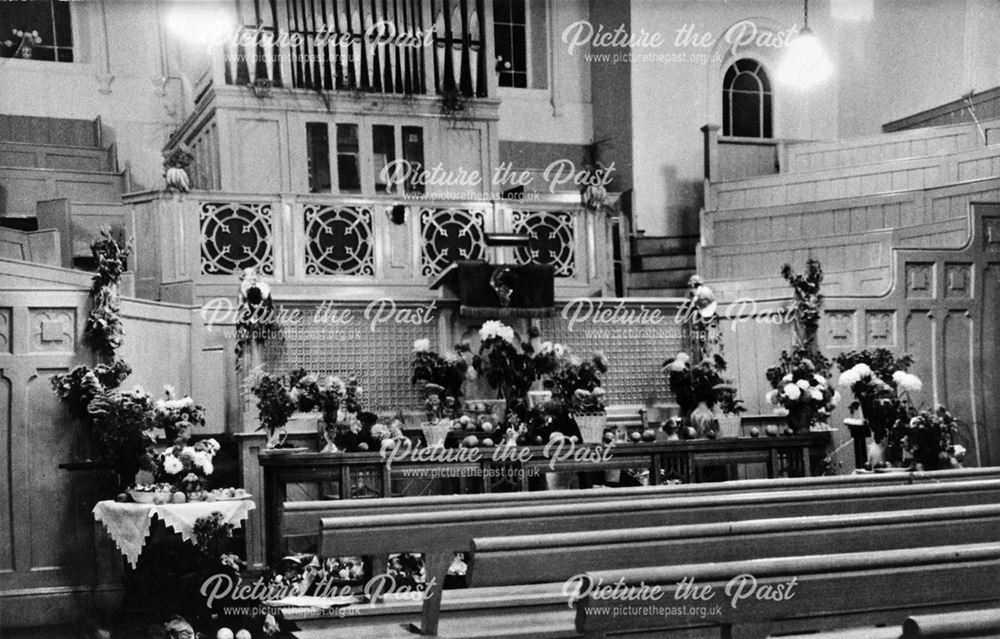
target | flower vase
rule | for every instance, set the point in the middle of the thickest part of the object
(800, 419)
(702, 420)
(591, 426)
(436, 433)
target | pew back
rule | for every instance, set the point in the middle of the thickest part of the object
(830, 589)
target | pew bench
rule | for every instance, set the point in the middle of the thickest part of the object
(966, 624)
(830, 590)
(298, 519)
(438, 534)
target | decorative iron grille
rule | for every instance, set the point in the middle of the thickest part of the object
(235, 236)
(338, 240)
(553, 240)
(449, 235)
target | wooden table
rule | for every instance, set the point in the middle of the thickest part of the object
(366, 475)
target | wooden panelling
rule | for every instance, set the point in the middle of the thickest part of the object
(942, 309)
(857, 181)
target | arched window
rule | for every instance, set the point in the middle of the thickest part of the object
(746, 100)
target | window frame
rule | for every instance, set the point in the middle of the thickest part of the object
(764, 96)
(529, 70)
(74, 48)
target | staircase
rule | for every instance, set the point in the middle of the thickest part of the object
(57, 173)
(848, 203)
(661, 266)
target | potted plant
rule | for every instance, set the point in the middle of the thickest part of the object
(699, 388)
(505, 361)
(577, 389)
(881, 388)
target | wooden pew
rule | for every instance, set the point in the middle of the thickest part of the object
(830, 589)
(438, 534)
(966, 624)
(298, 519)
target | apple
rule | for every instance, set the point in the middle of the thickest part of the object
(122, 497)
(363, 446)
(159, 499)
(788, 432)
(609, 437)
(487, 427)
(244, 634)
(538, 440)
(635, 436)
(754, 431)
(690, 433)
(487, 442)
(224, 633)
(771, 430)
(648, 435)
(471, 441)
(179, 498)
(387, 444)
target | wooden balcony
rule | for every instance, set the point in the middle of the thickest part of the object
(193, 248)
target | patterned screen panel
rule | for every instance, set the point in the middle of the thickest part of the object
(449, 235)
(343, 342)
(236, 236)
(339, 240)
(552, 240)
(635, 343)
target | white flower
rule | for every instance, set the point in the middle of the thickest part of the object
(506, 333)
(559, 350)
(786, 379)
(212, 445)
(491, 328)
(781, 411)
(545, 348)
(172, 465)
(771, 396)
(683, 357)
(803, 384)
(792, 392)
(820, 379)
(816, 394)
(907, 382)
(201, 459)
(958, 451)
(675, 366)
(848, 378)
(421, 345)
(863, 371)
(208, 468)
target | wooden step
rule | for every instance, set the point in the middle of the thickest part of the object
(56, 131)
(660, 245)
(665, 262)
(667, 278)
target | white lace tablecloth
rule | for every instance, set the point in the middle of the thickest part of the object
(128, 523)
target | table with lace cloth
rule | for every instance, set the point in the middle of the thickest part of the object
(128, 523)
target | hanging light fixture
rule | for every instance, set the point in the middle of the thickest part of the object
(805, 64)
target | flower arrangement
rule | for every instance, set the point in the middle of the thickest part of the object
(444, 374)
(103, 330)
(506, 361)
(703, 382)
(928, 439)
(881, 388)
(575, 383)
(805, 367)
(804, 393)
(176, 415)
(82, 384)
(274, 403)
(121, 430)
(188, 464)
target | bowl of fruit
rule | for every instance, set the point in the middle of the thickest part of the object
(151, 493)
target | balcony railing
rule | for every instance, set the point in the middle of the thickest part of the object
(365, 242)
(406, 47)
